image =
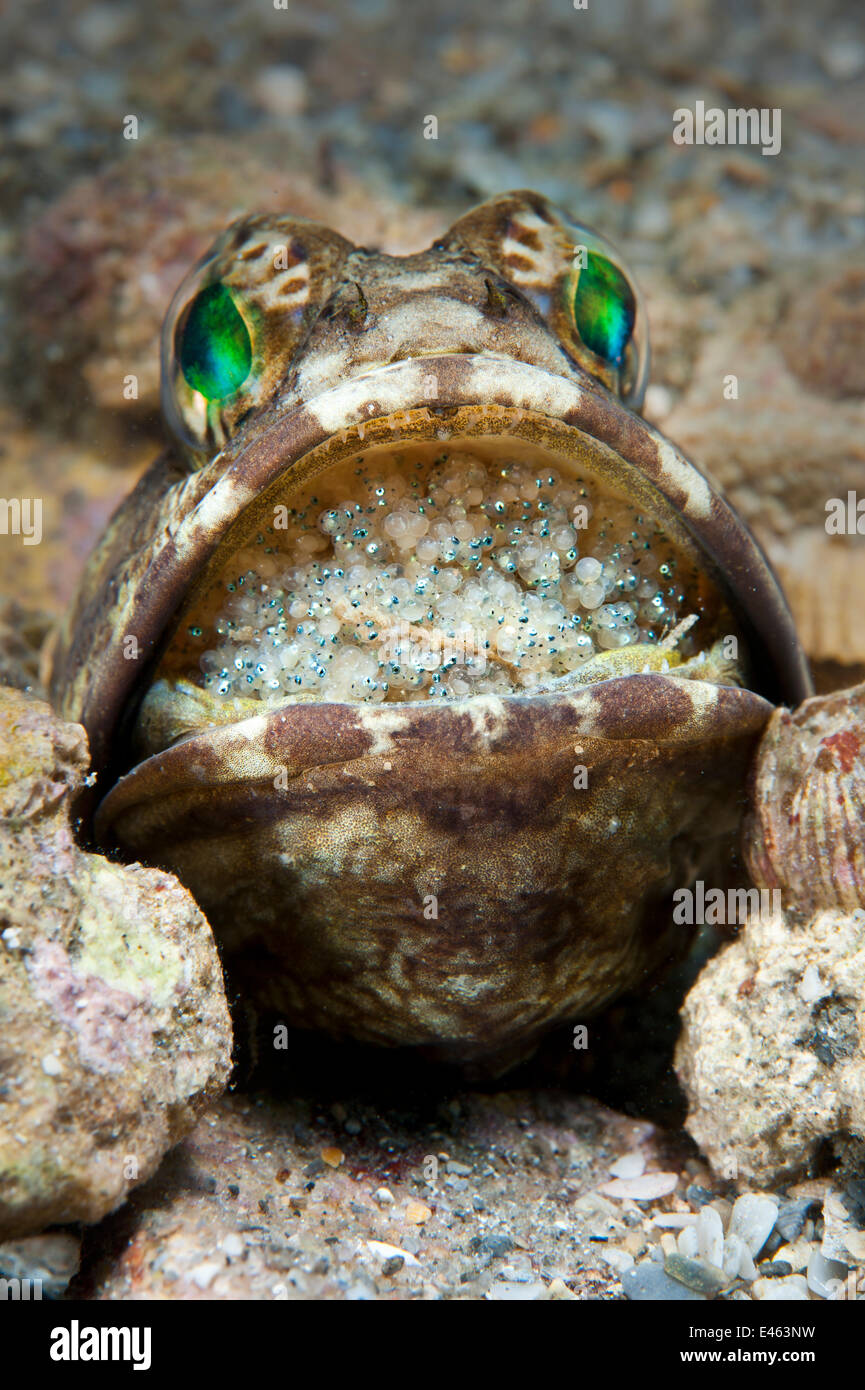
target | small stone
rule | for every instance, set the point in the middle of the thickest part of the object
(416, 1213)
(116, 1029)
(384, 1197)
(648, 1188)
(204, 1274)
(791, 1217)
(495, 1244)
(47, 1261)
(775, 1269)
(687, 1243)
(333, 1157)
(281, 89)
(232, 1245)
(618, 1260)
(797, 1254)
(383, 1251)
(699, 1196)
(753, 1218)
(811, 987)
(710, 1237)
(630, 1165)
(735, 1251)
(648, 1282)
(504, 1292)
(695, 1274)
(824, 1276)
(792, 1290)
(558, 1289)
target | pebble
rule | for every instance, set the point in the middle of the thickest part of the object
(204, 1274)
(333, 1157)
(687, 1242)
(384, 1197)
(737, 1258)
(823, 1276)
(710, 1237)
(752, 1219)
(495, 1244)
(505, 1292)
(648, 1281)
(791, 1217)
(281, 89)
(794, 1290)
(695, 1274)
(775, 1269)
(384, 1251)
(631, 1165)
(647, 1188)
(699, 1196)
(416, 1213)
(559, 1289)
(232, 1245)
(618, 1259)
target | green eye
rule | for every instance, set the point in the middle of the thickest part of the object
(604, 308)
(215, 349)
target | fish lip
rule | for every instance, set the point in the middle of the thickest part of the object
(643, 708)
(445, 392)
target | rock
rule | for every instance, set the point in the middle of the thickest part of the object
(791, 1217)
(631, 1165)
(116, 1030)
(737, 1259)
(752, 1219)
(803, 835)
(792, 1290)
(768, 1076)
(648, 1281)
(824, 1276)
(841, 1239)
(710, 1236)
(648, 1188)
(46, 1262)
(695, 1274)
(687, 1243)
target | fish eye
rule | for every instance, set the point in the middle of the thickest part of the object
(212, 344)
(604, 308)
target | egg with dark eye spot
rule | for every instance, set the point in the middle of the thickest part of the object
(450, 668)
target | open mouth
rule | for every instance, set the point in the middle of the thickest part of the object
(507, 563)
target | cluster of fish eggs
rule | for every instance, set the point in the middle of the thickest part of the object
(451, 578)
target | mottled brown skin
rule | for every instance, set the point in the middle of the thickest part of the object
(316, 836)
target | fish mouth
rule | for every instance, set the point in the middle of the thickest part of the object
(495, 406)
(445, 554)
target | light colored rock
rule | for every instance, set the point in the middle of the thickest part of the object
(793, 1289)
(648, 1188)
(631, 1165)
(116, 1032)
(687, 1243)
(710, 1237)
(825, 1276)
(752, 1219)
(769, 1076)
